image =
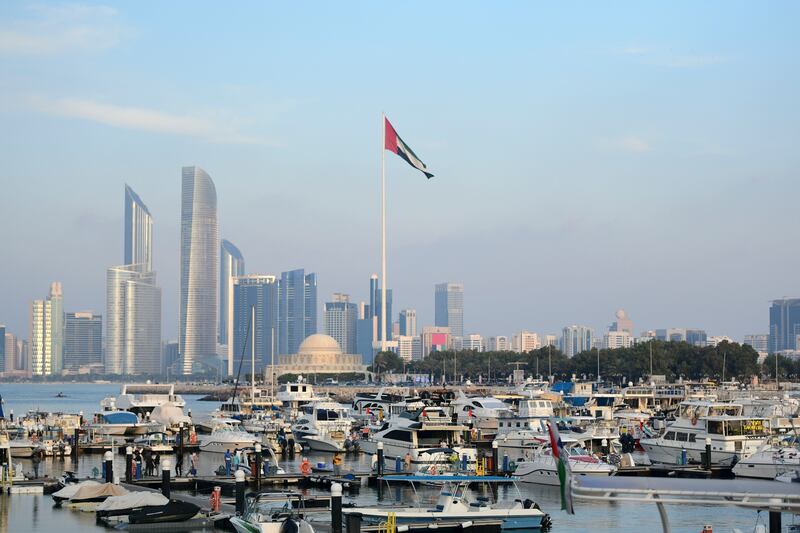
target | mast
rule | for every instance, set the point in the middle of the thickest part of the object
(253, 355)
(383, 233)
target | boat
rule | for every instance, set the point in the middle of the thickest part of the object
(70, 488)
(295, 395)
(272, 512)
(170, 415)
(225, 437)
(123, 423)
(457, 503)
(771, 461)
(131, 502)
(480, 412)
(417, 432)
(140, 398)
(541, 467)
(88, 496)
(157, 442)
(173, 511)
(323, 426)
(367, 405)
(24, 448)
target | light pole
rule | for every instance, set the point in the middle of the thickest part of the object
(549, 361)
(598, 364)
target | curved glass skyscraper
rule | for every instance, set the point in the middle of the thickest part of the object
(138, 231)
(231, 265)
(199, 260)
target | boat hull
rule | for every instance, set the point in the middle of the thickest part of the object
(512, 520)
(318, 444)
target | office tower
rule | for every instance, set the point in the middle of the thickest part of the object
(3, 349)
(170, 356)
(525, 341)
(784, 324)
(47, 333)
(449, 308)
(696, 337)
(374, 291)
(576, 339)
(83, 340)
(760, 343)
(378, 318)
(472, 342)
(550, 340)
(408, 322)
(10, 348)
(409, 348)
(199, 261)
(231, 264)
(617, 339)
(138, 231)
(260, 291)
(365, 333)
(340, 322)
(623, 323)
(498, 343)
(435, 339)
(133, 321)
(297, 309)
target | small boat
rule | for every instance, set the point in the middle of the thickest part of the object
(129, 503)
(272, 512)
(88, 496)
(225, 438)
(541, 467)
(771, 461)
(157, 442)
(174, 511)
(60, 395)
(70, 488)
(123, 423)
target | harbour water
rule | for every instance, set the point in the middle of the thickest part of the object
(23, 513)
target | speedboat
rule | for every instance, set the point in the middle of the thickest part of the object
(129, 503)
(24, 448)
(771, 461)
(172, 511)
(225, 437)
(541, 467)
(456, 503)
(157, 442)
(272, 512)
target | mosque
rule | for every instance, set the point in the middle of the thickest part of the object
(320, 354)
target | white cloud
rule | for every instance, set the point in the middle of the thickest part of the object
(138, 118)
(61, 29)
(633, 144)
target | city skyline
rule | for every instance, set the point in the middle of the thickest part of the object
(668, 172)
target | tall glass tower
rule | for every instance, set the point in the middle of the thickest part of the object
(297, 309)
(138, 231)
(231, 265)
(199, 260)
(449, 310)
(262, 292)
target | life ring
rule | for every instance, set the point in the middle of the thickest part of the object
(305, 468)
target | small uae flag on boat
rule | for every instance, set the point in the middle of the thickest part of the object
(562, 463)
(393, 143)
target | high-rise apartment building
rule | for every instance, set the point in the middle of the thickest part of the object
(525, 341)
(199, 262)
(435, 339)
(784, 324)
(138, 232)
(297, 309)
(760, 343)
(472, 342)
(10, 351)
(576, 339)
(409, 348)
(83, 340)
(498, 343)
(231, 264)
(260, 291)
(340, 322)
(3, 350)
(47, 333)
(617, 339)
(449, 307)
(408, 322)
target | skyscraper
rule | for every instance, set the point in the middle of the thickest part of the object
(297, 309)
(340, 322)
(231, 264)
(47, 333)
(760, 343)
(784, 324)
(83, 340)
(408, 322)
(262, 292)
(133, 321)
(199, 261)
(3, 349)
(576, 339)
(138, 231)
(378, 320)
(449, 309)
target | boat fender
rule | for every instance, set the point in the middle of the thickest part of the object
(289, 526)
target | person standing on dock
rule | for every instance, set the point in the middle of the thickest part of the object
(148, 461)
(337, 464)
(36, 459)
(235, 460)
(193, 464)
(137, 461)
(228, 459)
(178, 463)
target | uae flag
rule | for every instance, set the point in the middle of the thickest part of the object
(394, 143)
(562, 464)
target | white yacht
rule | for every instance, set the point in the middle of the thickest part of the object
(771, 461)
(539, 466)
(367, 405)
(481, 412)
(225, 437)
(295, 395)
(323, 426)
(141, 399)
(418, 433)
(531, 415)
(123, 423)
(733, 436)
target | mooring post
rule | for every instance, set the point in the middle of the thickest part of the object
(495, 457)
(258, 466)
(128, 464)
(75, 435)
(707, 462)
(165, 466)
(774, 522)
(290, 443)
(353, 523)
(380, 459)
(109, 460)
(336, 507)
(239, 477)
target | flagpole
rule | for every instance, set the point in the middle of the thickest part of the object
(383, 232)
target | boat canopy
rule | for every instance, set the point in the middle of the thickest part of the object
(89, 492)
(131, 500)
(449, 479)
(120, 417)
(70, 490)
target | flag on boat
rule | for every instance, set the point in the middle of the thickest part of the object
(393, 143)
(562, 463)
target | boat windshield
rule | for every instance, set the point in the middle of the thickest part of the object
(577, 450)
(265, 510)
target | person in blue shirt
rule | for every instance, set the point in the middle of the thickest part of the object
(228, 462)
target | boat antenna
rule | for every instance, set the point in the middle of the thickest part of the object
(241, 359)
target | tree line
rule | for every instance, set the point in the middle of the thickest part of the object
(672, 359)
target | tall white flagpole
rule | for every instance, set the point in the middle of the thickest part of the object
(383, 232)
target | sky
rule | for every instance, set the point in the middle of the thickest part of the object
(587, 156)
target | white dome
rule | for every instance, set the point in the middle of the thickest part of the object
(319, 344)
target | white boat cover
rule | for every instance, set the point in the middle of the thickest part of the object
(70, 490)
(132, 499)
(98, 490)
(169, 414)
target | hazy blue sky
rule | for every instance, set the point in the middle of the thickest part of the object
(587, 156)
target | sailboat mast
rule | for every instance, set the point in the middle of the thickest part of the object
(253, 355)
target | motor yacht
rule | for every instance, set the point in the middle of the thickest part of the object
(323, 426)
(771, 460)
(225, 437)
(123, 423)
(539, 466)
(480, 412)
(142, 398)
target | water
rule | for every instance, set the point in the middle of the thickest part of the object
(23, 513)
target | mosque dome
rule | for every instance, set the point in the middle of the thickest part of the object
(319, 344)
